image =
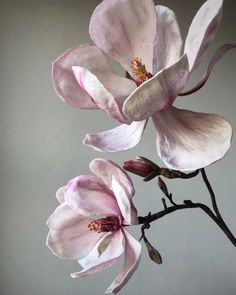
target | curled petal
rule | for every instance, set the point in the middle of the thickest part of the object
(126, 206)
(158, 92)
(217, 56)
(74, 240)
(188, 141)
(95, 269)
(103, 98)
(132, 259)
(107, 170)
(125, 29)
(88, 196)
(98, 65)
(168, 41)
(202, 30)
(94, 262)
(121, 138)
(60, 194)
(63, 78)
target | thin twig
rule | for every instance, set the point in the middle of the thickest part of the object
(174, 208)
(211, 192)
(189, 205)
(164, 203)
(221, 221)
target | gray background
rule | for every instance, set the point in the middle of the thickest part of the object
(41, 149)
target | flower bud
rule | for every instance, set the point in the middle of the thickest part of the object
(163, 186)
(138, 167)
(153, 253)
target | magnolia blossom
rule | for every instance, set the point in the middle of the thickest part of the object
(88, 224)
(146, 41)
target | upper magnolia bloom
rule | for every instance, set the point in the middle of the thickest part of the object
(146, 41)
(88, 224)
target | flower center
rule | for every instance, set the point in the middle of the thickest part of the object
(110, 223)
(140, 71)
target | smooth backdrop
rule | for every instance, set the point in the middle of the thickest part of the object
(41, 149)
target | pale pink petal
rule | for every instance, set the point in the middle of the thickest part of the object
(98, 65)
(216, 57)
(95, 269)
(202, 30)
(126, 206)
(132, 259)
(187, 140)
(64, 81)
(64, 217)
(96, 262)
(109, 101)
(88, 196)
(168, 41)
(121, 138)
(158, 92)
(124, 30)
(93, 60)
(107, 169)
(74, 241)
(60, 194)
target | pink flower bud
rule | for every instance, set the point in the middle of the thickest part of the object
(138, 167)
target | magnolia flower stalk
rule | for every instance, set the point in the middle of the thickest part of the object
(149, 48)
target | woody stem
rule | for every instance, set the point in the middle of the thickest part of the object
(213, 214)
(221, 221)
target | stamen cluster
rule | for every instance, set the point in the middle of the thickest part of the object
(108, 224)
(140, 71)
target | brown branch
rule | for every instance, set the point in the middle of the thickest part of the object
(221, 221)
(188, 205)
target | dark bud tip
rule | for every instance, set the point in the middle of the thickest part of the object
(163, 186)
(138, 167)
(153, 253)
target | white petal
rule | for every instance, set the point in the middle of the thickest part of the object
(132, 259)
(107, 169)
(202, 30)
(60, 194)
(126, 206)
(216, 57)
(88, 196)
(64, 217)
(168, 41)
(158, 92)
(100, 95)
(63, 78)
(121, 138)
(124, 30)
(94, 261)
(187, 140)
(74, 240)
(95, 269)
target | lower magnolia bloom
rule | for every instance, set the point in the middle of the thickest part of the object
(88, 224)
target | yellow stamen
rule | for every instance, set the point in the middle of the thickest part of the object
(140, 71)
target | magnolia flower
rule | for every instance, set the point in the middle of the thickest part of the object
(146, 41)
(88, 224)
